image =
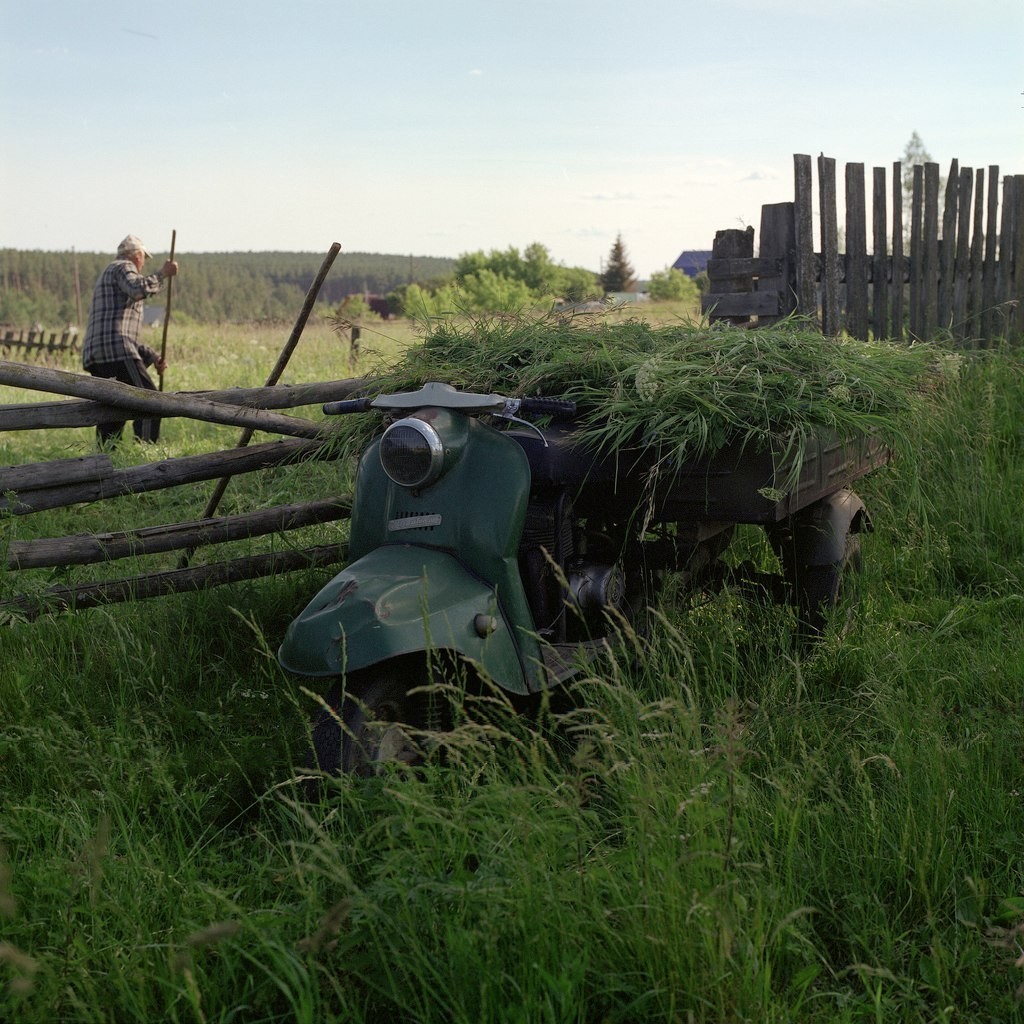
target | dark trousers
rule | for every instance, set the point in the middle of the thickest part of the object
(127, 372)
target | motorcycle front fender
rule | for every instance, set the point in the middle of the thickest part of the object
(400, 599)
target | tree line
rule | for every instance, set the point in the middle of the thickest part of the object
(55, 288)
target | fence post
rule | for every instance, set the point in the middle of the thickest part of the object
(1016, 254)
(930, 270)
(879, 263)
(856, 254)
(777, 242)
(830, 324)
(988, 283)
(961, 260)
(899, 268)
(947, 247)
(806, 263)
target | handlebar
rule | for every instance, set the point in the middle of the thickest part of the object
(450, 398)
(556, 408)
(346, 406)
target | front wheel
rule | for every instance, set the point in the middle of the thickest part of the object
(373, 717)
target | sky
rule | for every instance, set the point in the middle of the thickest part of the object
(441, 128)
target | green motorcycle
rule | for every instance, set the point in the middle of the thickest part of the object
(486, 549)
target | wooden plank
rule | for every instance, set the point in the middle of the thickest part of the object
(879, 262)
(917, 251)
(778, 240)
(930, 268)
(898, 259)
(739, 307)
(1004, 290)
(989, 272)
(170, 473)
(1016, 304)
(86, 549)
(730, 243)
(977, 261)
(805, 262)
(142, 401)
(50, 474)
(743, 268)
(962, 260)
(830, 299)
(856, 254)
(85, 413)
(947, 248)
(173, 581)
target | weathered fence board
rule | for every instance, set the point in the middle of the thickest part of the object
(956, 268)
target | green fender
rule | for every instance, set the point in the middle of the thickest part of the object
(399, 599)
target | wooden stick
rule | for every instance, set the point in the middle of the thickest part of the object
(167, 311)
(275, 374)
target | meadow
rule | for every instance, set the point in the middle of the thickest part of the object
(733, 827)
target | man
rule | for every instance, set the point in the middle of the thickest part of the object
(112, 348)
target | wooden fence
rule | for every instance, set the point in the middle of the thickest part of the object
(957, 267)
(34, 342)
(34, 488)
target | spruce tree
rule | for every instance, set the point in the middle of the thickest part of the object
(618, 276)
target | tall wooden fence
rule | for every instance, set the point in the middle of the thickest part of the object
(957, 268)
(37, 487)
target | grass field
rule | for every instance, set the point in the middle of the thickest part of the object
(729, 829)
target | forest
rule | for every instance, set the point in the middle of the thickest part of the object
(54, 288)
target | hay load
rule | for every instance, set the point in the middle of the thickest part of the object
(689, 389)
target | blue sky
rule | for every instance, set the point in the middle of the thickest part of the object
(440, 128)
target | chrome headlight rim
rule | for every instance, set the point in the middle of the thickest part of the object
(433, 464)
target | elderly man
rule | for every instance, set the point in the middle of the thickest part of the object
(112, 348)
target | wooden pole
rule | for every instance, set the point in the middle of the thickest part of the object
(152, 403)
(275, 374)
(167, 311)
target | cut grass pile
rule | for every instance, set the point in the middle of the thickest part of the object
(687, 388)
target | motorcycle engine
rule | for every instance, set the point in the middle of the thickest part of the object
(558, 576)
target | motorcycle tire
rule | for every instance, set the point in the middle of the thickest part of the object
(369, 720)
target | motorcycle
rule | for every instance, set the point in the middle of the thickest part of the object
(485, 545)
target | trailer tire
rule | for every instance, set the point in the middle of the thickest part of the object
(820, 589)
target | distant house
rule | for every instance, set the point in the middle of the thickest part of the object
(692, 261)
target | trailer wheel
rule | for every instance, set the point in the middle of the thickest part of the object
(820, 589)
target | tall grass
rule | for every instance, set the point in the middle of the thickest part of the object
(725, 827)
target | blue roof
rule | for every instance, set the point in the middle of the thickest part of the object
(692, 261)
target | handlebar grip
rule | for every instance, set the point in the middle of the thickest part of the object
(347, 405)
(556, 408)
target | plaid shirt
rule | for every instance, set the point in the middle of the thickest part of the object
(115, 317)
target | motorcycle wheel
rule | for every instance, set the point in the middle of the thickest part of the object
(370, 720)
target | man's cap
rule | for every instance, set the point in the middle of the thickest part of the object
(132, 243)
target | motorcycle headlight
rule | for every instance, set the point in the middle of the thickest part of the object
(411, 453)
